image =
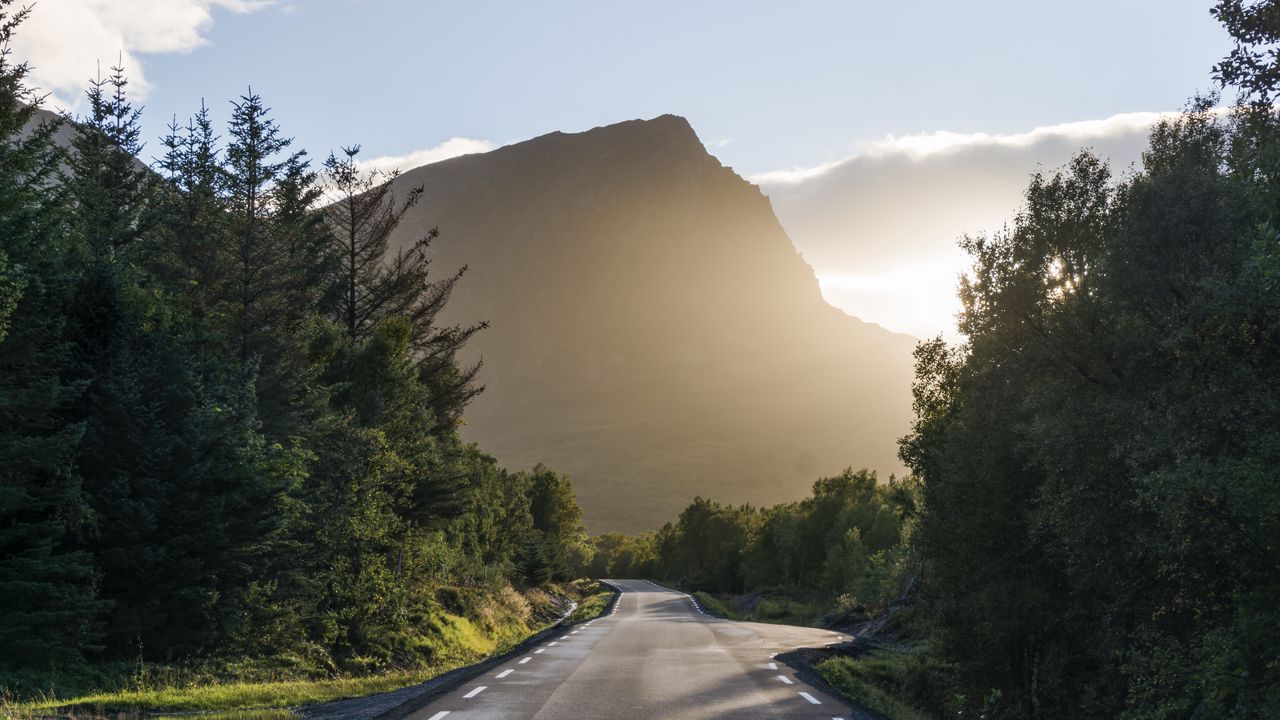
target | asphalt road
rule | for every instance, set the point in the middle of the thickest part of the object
(655, 657)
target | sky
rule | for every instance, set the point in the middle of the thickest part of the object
(882, 131)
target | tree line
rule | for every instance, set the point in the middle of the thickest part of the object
(228, 409)
(848, 542)
(1098, 459)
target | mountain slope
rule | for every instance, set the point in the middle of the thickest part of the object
(654, 333)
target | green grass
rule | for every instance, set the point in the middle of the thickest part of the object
(780, 610)
(595, 600)
(716, 606)
(256, 696)
(894, 684)
(491, 625)
(787, 611)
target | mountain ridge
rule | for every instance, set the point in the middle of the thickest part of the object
(675, 299)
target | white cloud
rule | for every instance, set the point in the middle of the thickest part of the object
(795, 176)
(880, 226)
(65, 41)
(453, 147)
(924, 145)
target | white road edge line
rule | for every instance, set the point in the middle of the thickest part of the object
(812, 700)
(504, 673)
(785, 679)
(773, 666)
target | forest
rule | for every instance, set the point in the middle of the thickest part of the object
(229, 413)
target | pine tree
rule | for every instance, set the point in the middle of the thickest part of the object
(191, 254)
(259, 257)
(111, 188)
(46, 586)
(377, 284)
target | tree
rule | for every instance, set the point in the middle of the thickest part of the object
(191, 255)
(376, 283)
(1094, 516)
(258, 302)
(110, 187)
(557, 524)
(1254, 64)
(46, 583)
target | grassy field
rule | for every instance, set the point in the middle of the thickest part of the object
(460, 641)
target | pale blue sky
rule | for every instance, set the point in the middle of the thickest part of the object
(784, 83)
(913, 122)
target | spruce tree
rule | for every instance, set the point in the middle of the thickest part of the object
(111, 188)
(254, 165)
(376, 283)
(46, 585)
(192, 255)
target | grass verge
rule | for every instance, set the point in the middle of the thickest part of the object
(898, 685)
(457, 641)
(716, 606)
(779, 609)
(255, 696)
(595, 600)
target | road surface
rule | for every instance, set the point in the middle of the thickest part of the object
(655, 657)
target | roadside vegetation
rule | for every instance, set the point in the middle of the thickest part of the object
(487, 624)
(834, 558)
(230, 468)
(1090, 526)
(596, 598)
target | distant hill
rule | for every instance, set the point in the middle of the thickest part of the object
(654, 332)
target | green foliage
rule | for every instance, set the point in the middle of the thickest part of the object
(46, 582)
(199, 466)
(552, 549)
(596, 598)
(375, 283)
(1098, 520)
(898, 685)
(846, 541)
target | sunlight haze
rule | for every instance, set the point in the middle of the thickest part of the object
(784, 96)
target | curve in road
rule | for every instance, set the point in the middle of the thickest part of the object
(655, 655)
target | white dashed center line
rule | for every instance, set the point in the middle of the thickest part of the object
(785, 679)
(475, 692)
(539, 650)
(504, 673)
(812, 700)
(525, 660)
(439, 715)
(553, 643)
(773, 666)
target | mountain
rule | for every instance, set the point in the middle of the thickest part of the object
(654, 333)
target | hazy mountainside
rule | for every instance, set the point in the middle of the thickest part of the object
(654, 331)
